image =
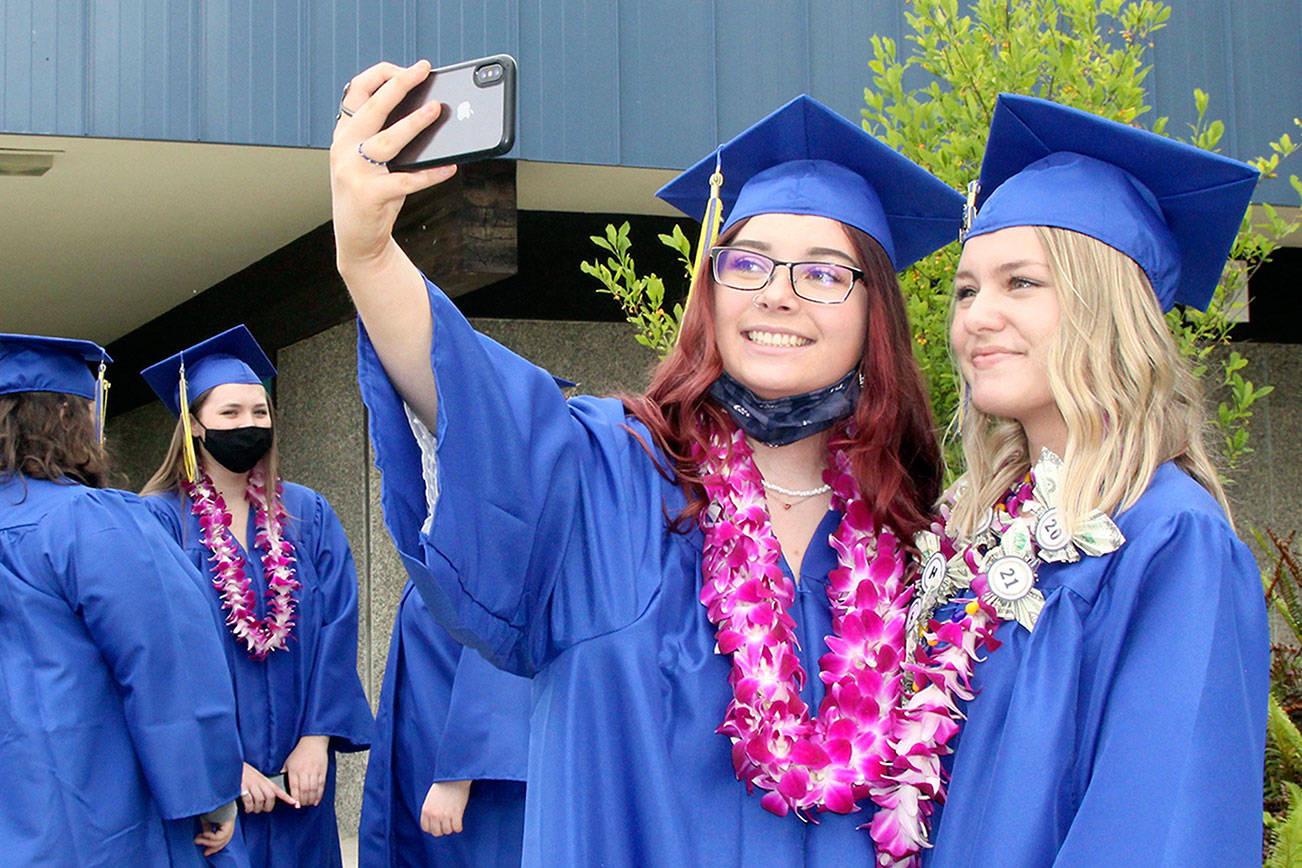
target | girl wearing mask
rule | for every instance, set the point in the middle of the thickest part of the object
(276, 557)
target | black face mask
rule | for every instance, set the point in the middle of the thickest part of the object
(237, 449)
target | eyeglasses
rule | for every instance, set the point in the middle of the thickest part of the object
(748, 271)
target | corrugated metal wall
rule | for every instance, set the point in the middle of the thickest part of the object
(629, 82)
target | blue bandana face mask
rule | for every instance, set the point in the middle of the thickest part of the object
(786, 420)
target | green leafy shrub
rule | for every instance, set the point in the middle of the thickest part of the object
(642, 298)
(1089, 54)
(1282, 578)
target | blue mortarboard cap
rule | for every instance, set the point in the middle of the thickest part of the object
(230, 357)
(31, 363)
(806, 159)
(1171, 207)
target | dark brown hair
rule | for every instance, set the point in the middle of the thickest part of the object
(894, 454)
(51, 435)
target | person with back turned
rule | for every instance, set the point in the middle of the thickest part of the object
(118, 742)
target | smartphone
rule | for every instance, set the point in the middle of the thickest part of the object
(478, 118)
(280, 779)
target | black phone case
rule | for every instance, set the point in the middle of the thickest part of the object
(477, 122)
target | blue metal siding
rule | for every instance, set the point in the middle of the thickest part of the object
(568, 51)
(840, 46)
(1248, 58)
(1267, 47)
(668, 65)
(632, 82)
(761, 60)
(44, 35)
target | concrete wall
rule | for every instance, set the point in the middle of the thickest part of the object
(1267, 489)
(324, 445)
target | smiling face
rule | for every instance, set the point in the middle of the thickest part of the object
(1006, 313)
(771, 340)
(234, 405)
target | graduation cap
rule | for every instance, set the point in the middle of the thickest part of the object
(230, 357)
(806, 159)
(32, 363)
(1171, 207)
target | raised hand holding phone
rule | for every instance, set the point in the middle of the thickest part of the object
(385, 285)
(365, 195)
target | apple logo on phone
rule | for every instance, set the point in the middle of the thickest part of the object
(464, 110)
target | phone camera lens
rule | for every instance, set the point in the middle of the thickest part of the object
(488, 73)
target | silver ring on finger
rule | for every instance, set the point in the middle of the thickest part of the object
(343, 111)
(371, 160)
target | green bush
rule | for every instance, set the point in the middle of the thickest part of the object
(1089, 54)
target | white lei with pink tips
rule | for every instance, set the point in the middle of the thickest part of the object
(261, 636)
(849, 752)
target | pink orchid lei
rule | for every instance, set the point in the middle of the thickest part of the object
(260, 636)
(843, 755)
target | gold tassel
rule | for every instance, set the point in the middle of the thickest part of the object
(710, 222)
(189, 462)
(101, 402)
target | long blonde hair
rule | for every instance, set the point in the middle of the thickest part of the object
(1129, 398)
(171, 473)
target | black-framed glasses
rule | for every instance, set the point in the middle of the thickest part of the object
(748, 271)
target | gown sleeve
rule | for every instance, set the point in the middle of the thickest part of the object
(164, 508)
(336, 703)
(1175, 776)
(550, 516)
(486, 736)
(140, 601)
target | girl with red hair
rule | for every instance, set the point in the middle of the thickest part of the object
(708, 582)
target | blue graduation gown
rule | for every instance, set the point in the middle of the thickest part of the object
(310, 687)
(445, 715)
(117, 721)
(1129, 727)
(550, 552)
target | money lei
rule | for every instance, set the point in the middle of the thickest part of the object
(1023, 530)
